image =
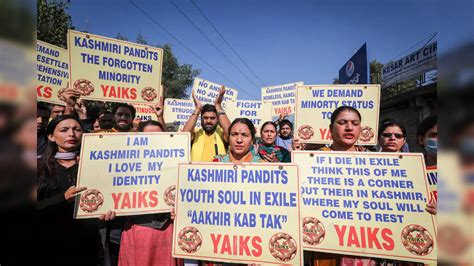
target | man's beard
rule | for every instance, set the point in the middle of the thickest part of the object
(123, 128)
(287, 137)
(209, 129)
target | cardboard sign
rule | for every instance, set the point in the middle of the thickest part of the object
(258, 112)
(52, 72)
(283, 99)
(207, 91)
(432, 177)
(366, 204)
(106, 69)
(243, 214)
(144, 112)
(177, 112)
(315, 104)
(129, 173)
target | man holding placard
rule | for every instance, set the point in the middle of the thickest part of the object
(209, 140)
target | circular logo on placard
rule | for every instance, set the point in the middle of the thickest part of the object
(417, 240)
(366, 134)
(313, 231)
(350, 67)
(169, 195)
(282, 247)
(189, 239)
(91, 200)
(148, 94)
(305, 132)
(84, 86)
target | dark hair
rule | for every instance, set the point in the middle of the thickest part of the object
(144, 124)
(267, 123)
(43, 106)
(208, 108)
(286, 122)
(47, 164)
(130, 107)
(391, 123)
(104, 111)
(339, 110)
(247, 122)
(426, 124)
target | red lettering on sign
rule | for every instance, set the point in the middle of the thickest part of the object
(44, 92)
(140, 199)
(119, 92)
(239, 245)
(365, 237)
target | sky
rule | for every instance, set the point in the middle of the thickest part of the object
(281, 41)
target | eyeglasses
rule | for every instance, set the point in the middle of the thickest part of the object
(397, 135)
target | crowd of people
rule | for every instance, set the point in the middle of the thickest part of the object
(147, 239)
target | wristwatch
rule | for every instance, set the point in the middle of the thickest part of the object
(221, 112)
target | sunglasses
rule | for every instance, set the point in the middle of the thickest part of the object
(397, 135)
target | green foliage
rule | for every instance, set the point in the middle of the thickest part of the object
(18, 21)
(53, 22)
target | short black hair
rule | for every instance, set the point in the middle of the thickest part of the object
(42, 106)
(391, 123)
(247, 122)
(144, 124)
(130, 107)
(340, 109)
(286, 122)
(426, 124)
(104, 111)
(208, 108)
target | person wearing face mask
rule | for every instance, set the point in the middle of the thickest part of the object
(211, 138)
(427, 136)
(267, 149)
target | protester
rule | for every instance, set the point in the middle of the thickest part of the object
(427, 136)
(242, 136)
(285, 134)
(267, 149)
(392, 137)
(42, 117)
(106, 120)
(62, 239)
(147, 239)
(57, 110)
(210, 139)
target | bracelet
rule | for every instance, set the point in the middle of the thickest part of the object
(221, 113)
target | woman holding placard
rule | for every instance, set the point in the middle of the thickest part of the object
(241, 137)
(62, 239)
(267, 149)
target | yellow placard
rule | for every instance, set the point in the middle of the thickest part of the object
(178, 111)
(315, 104)
(106, 69)
(207, 91)
(144, 112)
(283, 99)
(257, 111)
(366, 204)
(129, 173)
(52, 65)
(243, 214)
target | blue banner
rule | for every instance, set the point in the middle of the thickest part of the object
(354, 71)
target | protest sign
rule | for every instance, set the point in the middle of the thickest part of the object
(366, 204)
(106, 69)
(432, 177)
(177, 112)
(207, 91)
(144, 112)
(242, 214)
(52, 72)
(258, 112)
(283, 98)
(129, 173)
(315, 104)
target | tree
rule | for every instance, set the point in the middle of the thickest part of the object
(53, 22)
(375, 72)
